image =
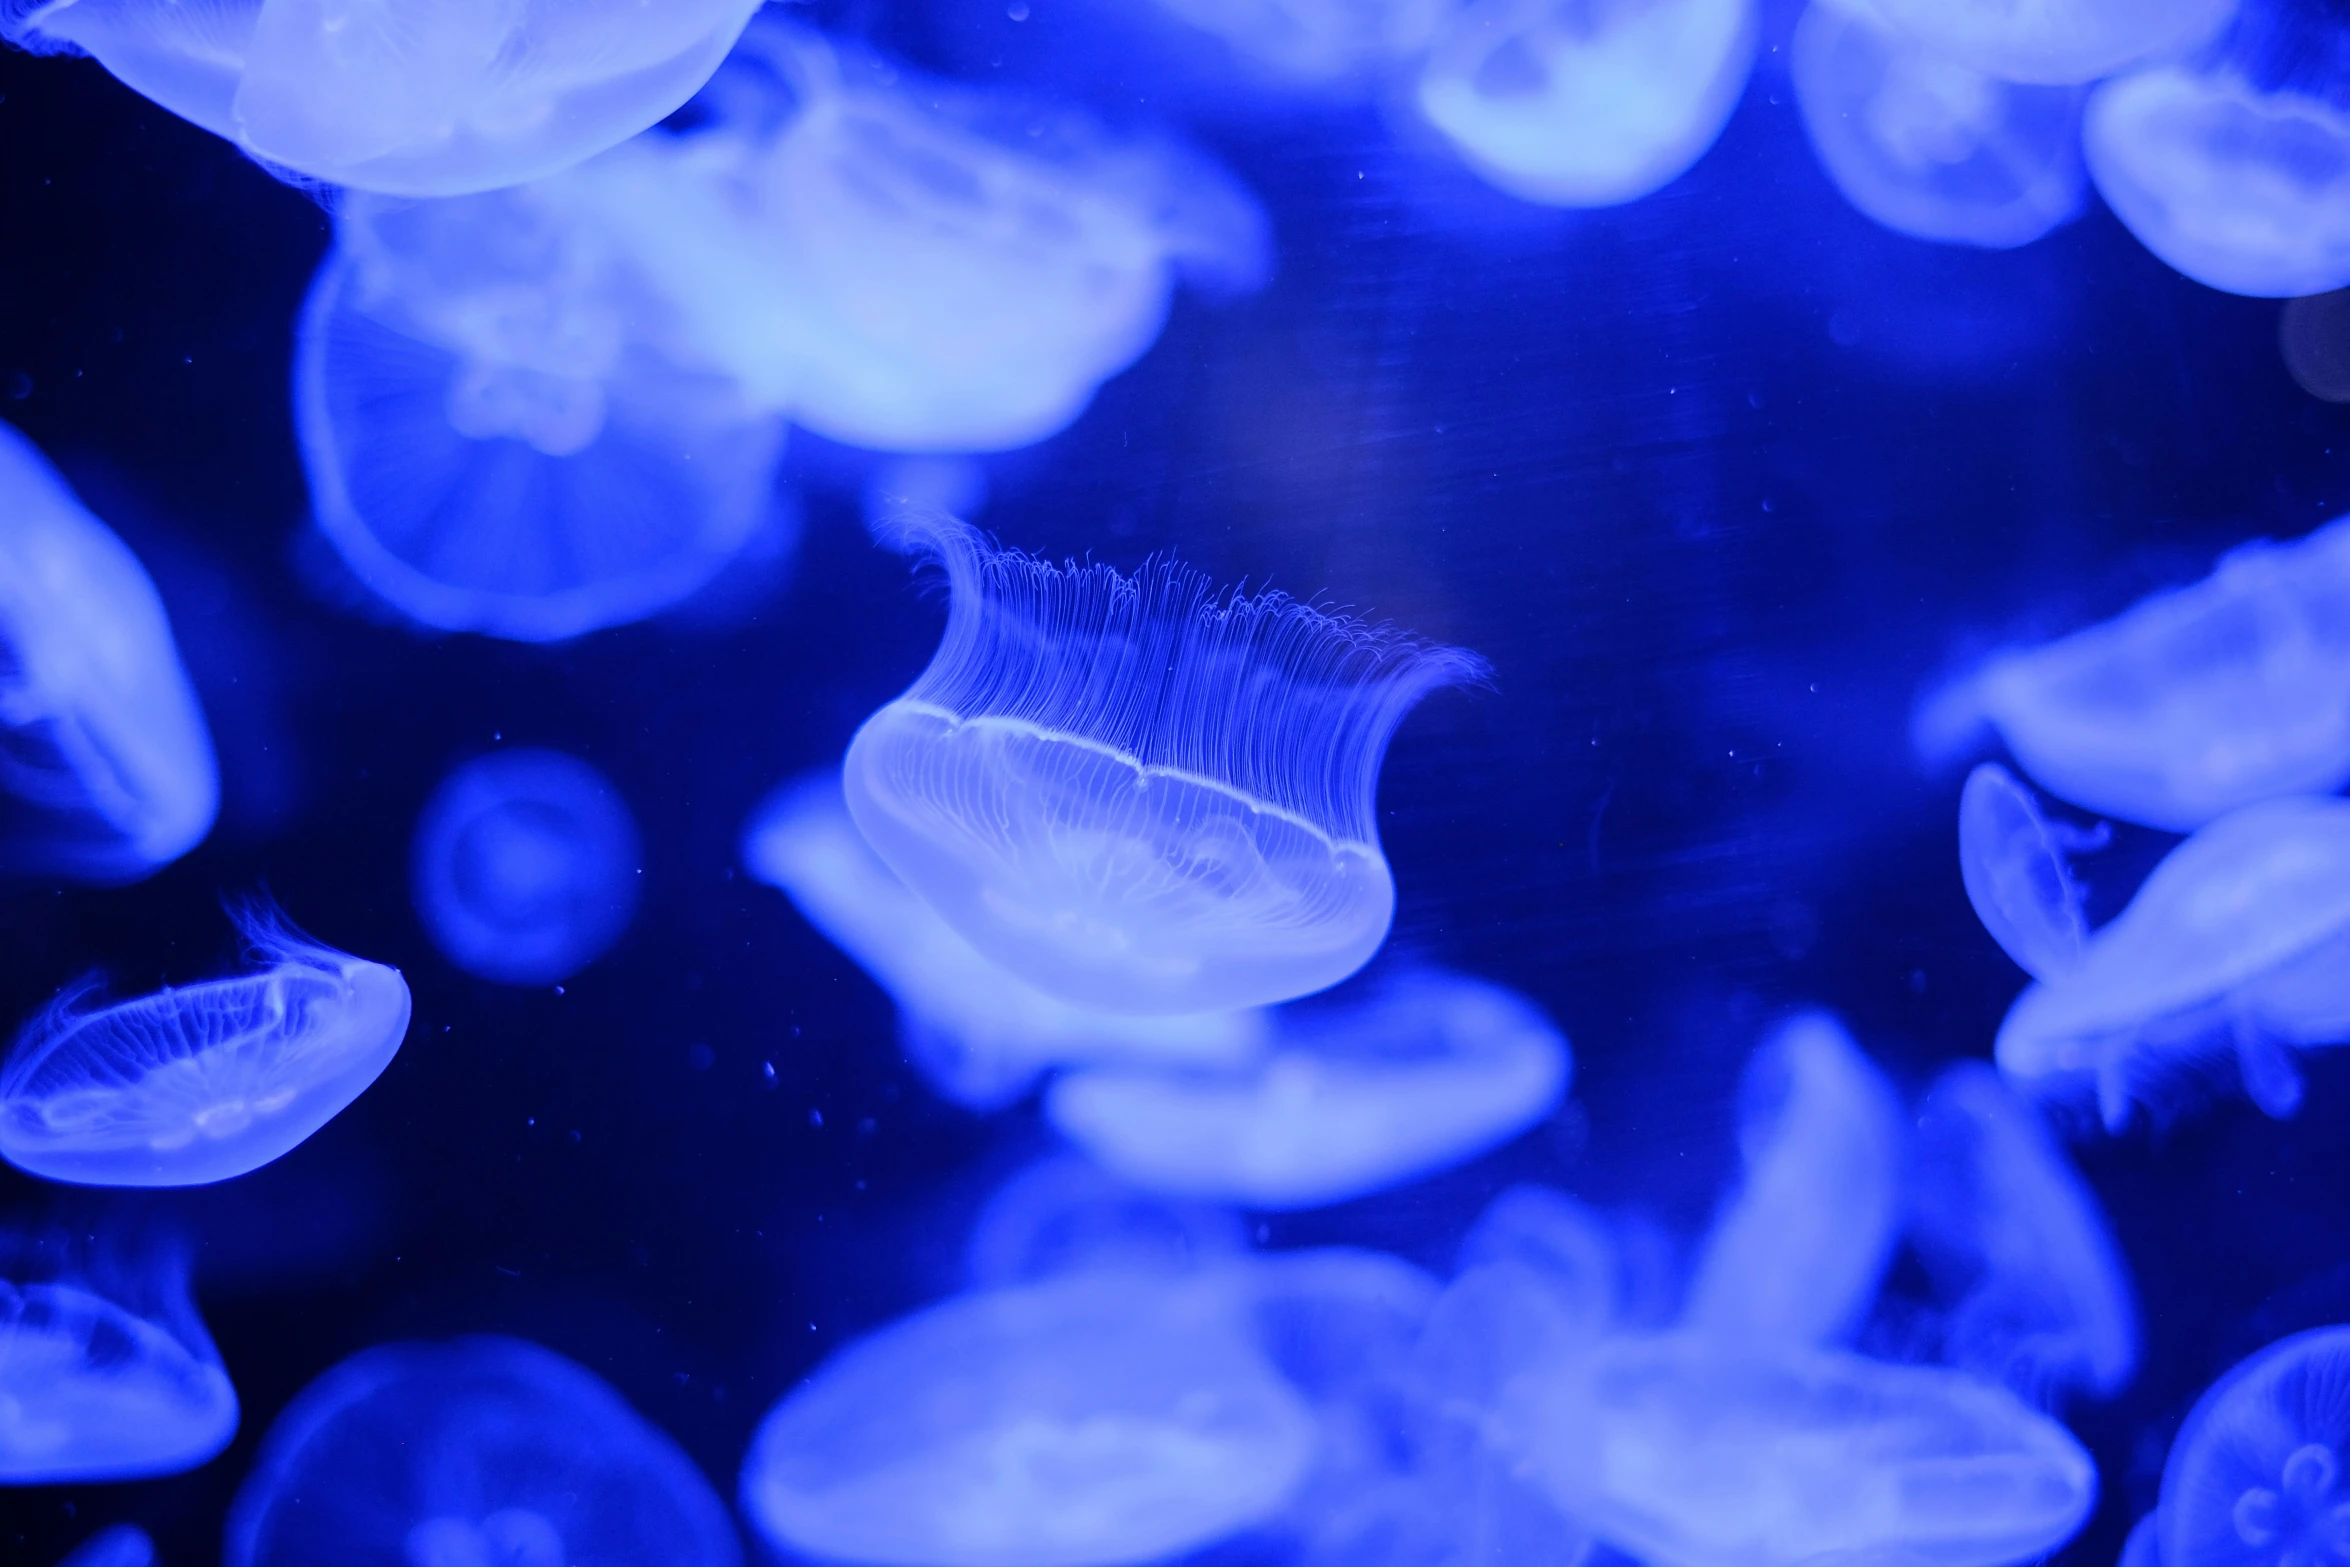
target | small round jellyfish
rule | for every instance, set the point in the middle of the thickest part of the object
(525, 866)
(477, 1450)
(2051, 42)
(104, 756)
(1587, 103)
(2014, 862)
(1424, 1072)
(1089, 1421)
(2255, 1475)
(200, 1084)
(423, 98)
(1136, 794)
(1930, 147)
(124, 1545)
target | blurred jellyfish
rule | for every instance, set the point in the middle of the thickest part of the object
(2054, 42)
(2191, 703)
(425, 98)
(2018, 876)
(1579, 104)
(124, 1545)
(2238, 943)
(2255, 1475)
(195, 1085)
(979, 1033)
(2016, 1239)
(2314, 335)
(1420, 1073)
(105, 762)
(1340, 1323)
(1319, 43)
(1687, 1453)
(1795, 1255)
(473, 1451)
(1062, 1215)
(1564, 1249)
(1930, 147)
(525, 866)
(1089, 1421)
(1136, 794)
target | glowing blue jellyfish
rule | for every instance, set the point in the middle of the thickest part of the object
(2193, 702)
(1319, 43)
(472, 1451)
(1564, 1248)
(525, 866)
(1795, 1255)
(1089, 1421)
(503, 430)
(1062, 1215)
(2018, 874)
(1136, 794)
(200, 1084)
(1686, 1453)
(124, 1545)
(1340, 1323)
(2057, 42)
(1424, 1072)
(1579, 105)
(980, 1033)
(2255, 1475)
(2014, 1236)
(2237, 944)
(104, 757)
(1930, 147)
(423, 98)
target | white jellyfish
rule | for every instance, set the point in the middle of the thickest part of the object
(2255, 1474)
(2054, 42)
(1587, 103)
(980, 1033)
(525, 866)
(104, 757)
(1063, 1215)
(477, 1450)
(124, 1545)
(2193, 702)
(1931, 147)
(416, 98)
(210, 1081)
(2016, 865)
(1415, 1075)
(1088, 1421)
(1319, 44)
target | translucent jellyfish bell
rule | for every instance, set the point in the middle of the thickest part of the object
(124, 1545)
(2255, 1475)
(1062, 1215)
(1136, 794)
(525, 866)
(203, 1083)
(104, 757)
(426, 98)
(2018, 876)
(1576, 104)
(473, 1451)
(2056, 42)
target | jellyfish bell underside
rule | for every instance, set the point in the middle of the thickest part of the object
(2255, 1473)
(2052, 42)
(92, 1391)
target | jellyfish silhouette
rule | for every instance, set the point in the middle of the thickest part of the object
(1136, 794)
(1579, 105)
(424, 98)
(2056, 42)
(980, 1034)
(105, 763)
(124, 1545)
(1318, 43)
(1063, 1215)
(471, 1451)
(1423, 1072)
(1089, 1421)
(206, 1082)
(2255, 1474)
(1931, 147)
(2016, 865)
(525, 866)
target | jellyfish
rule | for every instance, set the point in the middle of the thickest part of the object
(105, 761)
(1587, 103)
(1063, 1215)
(1564, 1250)
(1136, 794)
(980, 1033)
(2237, 943)
(2255, 1474)
(420, 98)
(1319, 43)
(2051, 42)
(471, 1451)
(1795, 1255)
(525, 866)
(1087, 1421)
(2012, 1233)
(2189, 704)
(124, 1545)
(2314, 337)
(189, 1086)
(1930, 147)
(2018, 876)
(1419, 1074)
(506, 431)
(1340, 1323)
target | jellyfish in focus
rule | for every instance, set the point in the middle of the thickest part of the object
(2051, 42)
(1088, 1421)
(1929, 147)
(124, 1545)
(2014, 862)
(1578, 104)
(2255, 1473)
(1795, 1255)
(1063, 1215)
(525, 866)
(476, 1450)
(980, 1034)
(1136, 794)
(422, 98)
(1319, 43)
(105, 761)
(199, 1084)
(2237, 943)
